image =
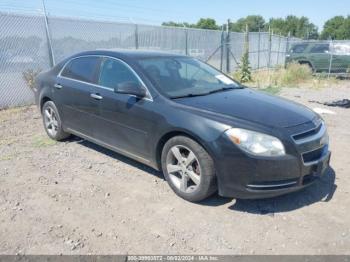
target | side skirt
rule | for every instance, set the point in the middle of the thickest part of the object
(115, 149)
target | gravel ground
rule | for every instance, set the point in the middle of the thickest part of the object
(74, 197)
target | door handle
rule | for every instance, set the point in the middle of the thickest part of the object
(58, 86)
(96, 96)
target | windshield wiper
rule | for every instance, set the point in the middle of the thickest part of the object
(208, 93)
(225, 89)
(189, 95)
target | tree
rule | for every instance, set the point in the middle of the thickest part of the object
(203, 23)
(175, 24)
(297, 26)
(337, 28)
(254, 22)
(207, 23)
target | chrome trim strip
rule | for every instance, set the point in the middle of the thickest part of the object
(148, 96)
(99, 142)
(276, 185)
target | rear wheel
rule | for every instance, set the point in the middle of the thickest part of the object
(188, 168)
(52, 122)
(308, 64)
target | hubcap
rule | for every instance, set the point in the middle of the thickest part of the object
(50, 121)
(183, 168)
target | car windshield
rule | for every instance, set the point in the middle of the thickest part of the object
(184, 77)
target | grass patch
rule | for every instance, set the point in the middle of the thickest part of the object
(43, 141)
(294, 75)
(274, 90)
(6, 157)
(11, 112)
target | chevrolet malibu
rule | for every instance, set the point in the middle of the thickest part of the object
(202, 129)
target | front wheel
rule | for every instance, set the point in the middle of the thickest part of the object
(188, 168)
(52, 122)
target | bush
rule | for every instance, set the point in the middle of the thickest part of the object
(29, 77)
(291, 76)
(295, 74)
(244, 73)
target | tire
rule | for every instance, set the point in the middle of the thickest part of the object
(308, 64)
(188, 169)
(52, 122)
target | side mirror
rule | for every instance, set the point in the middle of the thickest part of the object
(131, 88)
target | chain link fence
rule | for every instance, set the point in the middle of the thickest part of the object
(27, 42)
(23, 46)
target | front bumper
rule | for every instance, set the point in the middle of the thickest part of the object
(249, 177)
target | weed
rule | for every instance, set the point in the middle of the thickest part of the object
(43, 141)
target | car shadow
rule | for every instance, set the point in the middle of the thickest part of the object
(116, 156)
(321, 191)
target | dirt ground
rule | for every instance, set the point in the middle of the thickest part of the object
(77, 198)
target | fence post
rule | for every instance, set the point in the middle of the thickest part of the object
(287, 49)
(222, 50)
(269, 50)
(227, 43)
(279, 49)
(136, 36)
(186, 41)
(48, 37)
(259, 43)
(331, 58)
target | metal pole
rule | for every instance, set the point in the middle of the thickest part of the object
(186, 38)
(222, 50)
(331, 58)
(186, 41)
(48, 37)
(228, 47)
(287, 49)
(279, 49)
(136, 36)
(259, 43)
(247, 40)
(270, 43)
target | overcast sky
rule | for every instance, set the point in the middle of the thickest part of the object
(157, 11)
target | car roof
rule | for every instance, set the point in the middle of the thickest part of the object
(128, 54)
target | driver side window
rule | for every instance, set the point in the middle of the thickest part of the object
(114, 72)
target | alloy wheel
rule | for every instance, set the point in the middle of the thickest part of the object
(50, 120)
(183, 168)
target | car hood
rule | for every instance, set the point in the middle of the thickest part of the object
(253, 106)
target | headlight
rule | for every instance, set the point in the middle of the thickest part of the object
(256, 143)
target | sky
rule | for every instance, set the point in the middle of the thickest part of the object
(157, 11)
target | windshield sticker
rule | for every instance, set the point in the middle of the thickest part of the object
(224, 79)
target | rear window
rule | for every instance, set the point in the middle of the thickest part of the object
(298, 48)
(320, 48)
(82, 69)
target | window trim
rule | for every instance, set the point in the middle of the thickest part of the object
(148, 94)
(94, 71)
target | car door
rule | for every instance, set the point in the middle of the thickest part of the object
(73, 89)
(320, 56)
(123, 121)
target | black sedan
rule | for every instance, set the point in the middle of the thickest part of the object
(205, 131)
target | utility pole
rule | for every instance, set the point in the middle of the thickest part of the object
(48, 36)
(228, 67)
(186, 38)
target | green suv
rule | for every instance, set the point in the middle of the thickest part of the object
(320, 56)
